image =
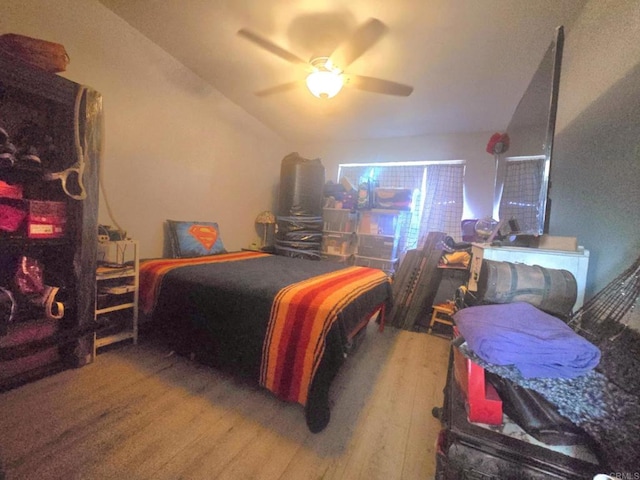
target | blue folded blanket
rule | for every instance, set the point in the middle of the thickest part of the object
(519, 334)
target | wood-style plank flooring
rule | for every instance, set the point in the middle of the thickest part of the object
(138, 412)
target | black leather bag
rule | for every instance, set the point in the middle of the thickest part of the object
(536, 415)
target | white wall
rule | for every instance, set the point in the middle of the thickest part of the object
(479, 172)
(602, 48)
(174, 146)
(595, 171)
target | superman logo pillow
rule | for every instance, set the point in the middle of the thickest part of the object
(194, 239)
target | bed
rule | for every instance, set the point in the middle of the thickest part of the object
(286, 324)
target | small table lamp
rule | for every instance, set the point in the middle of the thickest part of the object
(264, 219)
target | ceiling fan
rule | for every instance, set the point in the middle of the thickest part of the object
(326, 75)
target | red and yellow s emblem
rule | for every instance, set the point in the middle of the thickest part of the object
(206, 235)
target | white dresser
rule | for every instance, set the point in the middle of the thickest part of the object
(575, 262)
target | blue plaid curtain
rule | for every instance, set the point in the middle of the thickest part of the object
(521, 193)
(444, 201)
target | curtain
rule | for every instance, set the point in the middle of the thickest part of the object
(437, 196)
(521, 193)
(444, 201)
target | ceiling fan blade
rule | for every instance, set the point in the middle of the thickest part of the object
(377, 85)
(362, 40)
(285, 87)
(269, 46)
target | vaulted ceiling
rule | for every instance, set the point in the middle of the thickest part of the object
(469, 61)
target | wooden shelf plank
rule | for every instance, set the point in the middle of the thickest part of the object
(109, 339)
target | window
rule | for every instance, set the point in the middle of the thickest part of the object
(520, 198)
(437, 194)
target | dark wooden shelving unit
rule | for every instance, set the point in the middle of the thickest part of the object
(33, 346)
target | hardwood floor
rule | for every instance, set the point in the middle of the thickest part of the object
(139, 413)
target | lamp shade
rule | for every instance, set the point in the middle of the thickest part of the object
(324, 84)
(266, 218)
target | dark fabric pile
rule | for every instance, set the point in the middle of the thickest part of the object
(608, 413)
(620, 348)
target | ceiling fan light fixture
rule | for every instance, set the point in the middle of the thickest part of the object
(326, 80)
(324, 84)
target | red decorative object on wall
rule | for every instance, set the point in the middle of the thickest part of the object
(498, 143)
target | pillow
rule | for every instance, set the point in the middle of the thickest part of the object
(194, 239)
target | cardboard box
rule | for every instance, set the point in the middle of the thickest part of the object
(548, 242)
(46, 219)
(394, 198)
(43, 211)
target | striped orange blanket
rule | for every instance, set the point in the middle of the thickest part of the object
(152, 273)
(301, 317)
(302, 311)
